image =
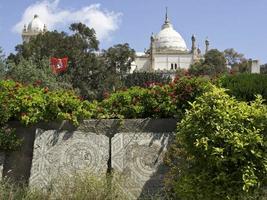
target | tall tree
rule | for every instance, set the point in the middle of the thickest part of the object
(213, 63)
(264, 69)
(118, 58)
(233, 57)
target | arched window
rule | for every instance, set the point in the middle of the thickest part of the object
(175, 65)
(172, 66)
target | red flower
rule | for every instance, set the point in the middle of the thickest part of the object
(105, 95)
(46, 89)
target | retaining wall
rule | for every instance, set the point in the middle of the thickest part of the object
(134, 148)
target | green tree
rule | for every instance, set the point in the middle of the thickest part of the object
(2, 64)
(84, 69)
(118, 58)
(233, 57)
(264, 69)
(237, 61)
(213, 63)
(89, 72)
(28, 72)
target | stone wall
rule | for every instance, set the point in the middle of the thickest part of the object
(134, 148)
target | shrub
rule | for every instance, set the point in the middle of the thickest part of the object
(245, 86)
(30, 104)
(221, 148)
(157, 101)
(144, 79)
(8, 139)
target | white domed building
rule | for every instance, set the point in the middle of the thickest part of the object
(168, 52)
(35, 27)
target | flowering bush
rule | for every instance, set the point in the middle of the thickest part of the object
(156, 101)
(30, 104)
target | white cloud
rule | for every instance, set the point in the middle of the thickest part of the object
(103, 21)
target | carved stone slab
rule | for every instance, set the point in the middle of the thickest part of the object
(139, 157)
(58, 154)
(2, 160)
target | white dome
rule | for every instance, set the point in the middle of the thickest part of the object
(169, 39)
(36, 25)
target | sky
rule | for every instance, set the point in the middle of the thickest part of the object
(238, 24)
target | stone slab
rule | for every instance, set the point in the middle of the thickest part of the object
(2, 160)
(57, 154)
(138, 156)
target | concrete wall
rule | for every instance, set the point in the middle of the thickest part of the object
(134, 148)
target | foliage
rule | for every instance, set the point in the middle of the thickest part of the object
(2, 64)
(145, 79)
(30, 104)
(233, 58)
(245, 86)
(156, 101)
(28, 72)
(214, 63)
(79, 47)
(83, 185)
(263, 68)
(237, 61)
(97, 72)
(221, 148)
(118, 58)
(8, 139)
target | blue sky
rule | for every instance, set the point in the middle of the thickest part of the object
(238, 24)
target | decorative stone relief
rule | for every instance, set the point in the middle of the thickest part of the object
(64, 153)
(2, 160)
(139, 157)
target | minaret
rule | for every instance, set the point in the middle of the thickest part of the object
(207, 43)
(193, 49)
(152, 51)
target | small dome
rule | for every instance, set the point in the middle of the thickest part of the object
(169, 39)
(36, 25)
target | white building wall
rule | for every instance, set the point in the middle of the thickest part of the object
(172, 62)
(141, 64)
(255, 67)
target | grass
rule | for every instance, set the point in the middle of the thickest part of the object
(82, 186)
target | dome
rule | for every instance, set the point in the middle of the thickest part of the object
(36, 25)
(169, 39)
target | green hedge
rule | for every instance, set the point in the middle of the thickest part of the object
(245, 86)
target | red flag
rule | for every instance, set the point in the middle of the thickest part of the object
(59, 65)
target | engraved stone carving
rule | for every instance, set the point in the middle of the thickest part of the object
(2, 160)
(139, 157)
(63, 153)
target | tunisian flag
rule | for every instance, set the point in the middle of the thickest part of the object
(59, 65)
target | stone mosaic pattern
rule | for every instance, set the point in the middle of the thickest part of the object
(57, 154)
(2, 160)
(139, 157)
(137, 151)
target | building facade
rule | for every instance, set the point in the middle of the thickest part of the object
(167, 52)
(35, 27)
